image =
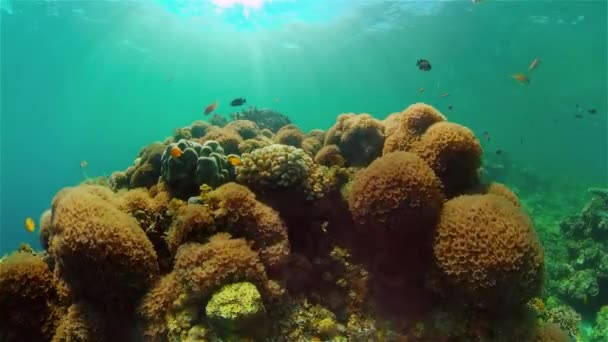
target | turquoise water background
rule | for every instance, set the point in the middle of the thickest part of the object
(97, 81)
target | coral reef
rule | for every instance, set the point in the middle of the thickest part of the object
(252, 230)
(264, 118)
(585, 273)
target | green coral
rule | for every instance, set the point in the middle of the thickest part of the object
(600, 330)
(198, 165)
(236, 308)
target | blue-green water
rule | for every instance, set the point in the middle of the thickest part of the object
(96, 81)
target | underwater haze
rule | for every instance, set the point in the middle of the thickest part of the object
(95, 81)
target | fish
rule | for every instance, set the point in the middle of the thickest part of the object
(238, 102)
(83, 164)
(210, 108)
(578, 116)
(234, 160)
(445, 95)
(499, 152)
(421, 90)
(534, 63)
(423, 65)
(486, 135)
(176, 152)
(30, 225)
(450, 107)
(592, 111)
(169, 79)
(521, 78)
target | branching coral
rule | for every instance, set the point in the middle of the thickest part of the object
(396, 192)
(359, 137)
(28, 299)
(487, 246)
(102, 253)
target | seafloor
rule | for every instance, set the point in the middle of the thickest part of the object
(249, 229)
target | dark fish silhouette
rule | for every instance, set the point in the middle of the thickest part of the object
(592, 111)
(238, 102)
(499, 152)
(578, 116)
(423, 65)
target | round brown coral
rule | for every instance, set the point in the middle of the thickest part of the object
(311, 146)
(245, 128)
(146, 171)
(397, 191)
(413, 122)
(330, 155)
(290, 135)
(391, 123)
(246, 217)
(359, 137)
(28, 299)
(229, 139)
(45, 226)
(83, 323)
(102, 253)
(201, 269)
(453, 153)
(487, 247)
(503, 191)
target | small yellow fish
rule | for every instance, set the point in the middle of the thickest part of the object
(30, 225)
(521, 78)
(234, 160)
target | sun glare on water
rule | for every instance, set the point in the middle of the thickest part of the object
(246, 4)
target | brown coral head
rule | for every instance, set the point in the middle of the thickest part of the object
(396, 192)
(488, 248)
(454, 153)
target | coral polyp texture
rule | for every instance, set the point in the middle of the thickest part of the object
(256, 230)
(487, 247)
(397, 192)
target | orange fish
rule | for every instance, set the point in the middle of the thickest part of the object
(210, 108)
(176, 152)
(534, 63)
(521, 78)
(445, 95)
(234, 160)
(30, 225)
(421, 90)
